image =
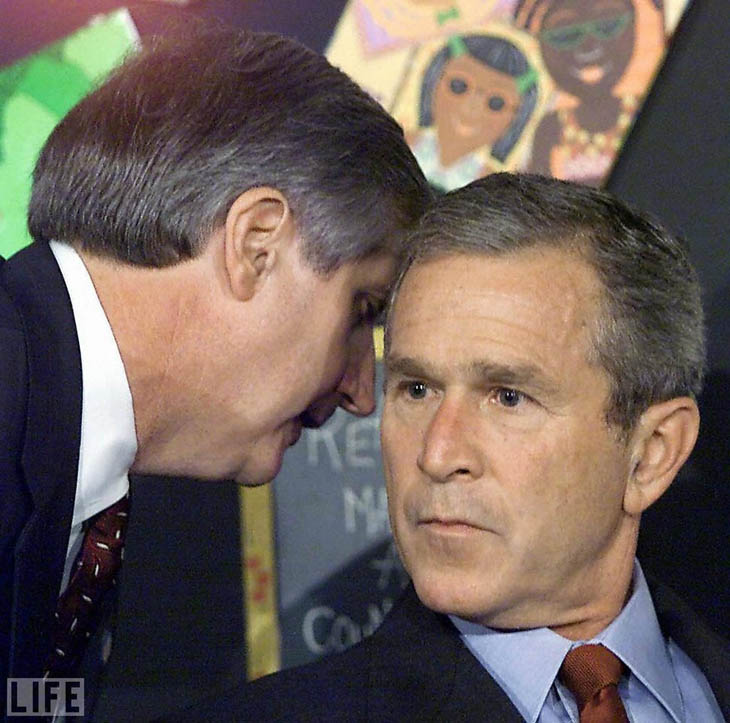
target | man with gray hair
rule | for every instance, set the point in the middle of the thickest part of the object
(544, 352)
(216, 227)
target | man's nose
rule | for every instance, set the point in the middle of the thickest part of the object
(450, 448)
(357, 386)
(355, 392)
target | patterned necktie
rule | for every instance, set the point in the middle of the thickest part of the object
(94, 573)
(592, 673)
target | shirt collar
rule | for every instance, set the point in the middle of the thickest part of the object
(525, 662)
(108, 437)
(636, 638)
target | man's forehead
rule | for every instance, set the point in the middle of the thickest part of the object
(371, 276)
(539, 268)
(541, 303)
(377, 270)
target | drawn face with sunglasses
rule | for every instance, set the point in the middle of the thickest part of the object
(587, 44)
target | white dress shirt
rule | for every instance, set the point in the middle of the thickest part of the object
(664, 685)
(108, 437)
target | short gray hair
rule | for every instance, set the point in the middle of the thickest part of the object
(649, 335)
(145, 167)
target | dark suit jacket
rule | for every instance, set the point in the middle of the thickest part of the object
(415, 668)
(40, 428)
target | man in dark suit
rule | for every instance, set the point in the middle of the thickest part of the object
(216, 228)
(544, 350)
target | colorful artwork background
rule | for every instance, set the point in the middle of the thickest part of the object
(573, 132)
(35, 93)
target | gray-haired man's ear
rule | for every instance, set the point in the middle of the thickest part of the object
(257, 224)
(662, 441)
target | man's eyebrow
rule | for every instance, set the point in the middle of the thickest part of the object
(408, 366)
(529, 376)
(512, 375)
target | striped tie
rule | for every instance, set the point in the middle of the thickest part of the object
(94, 573)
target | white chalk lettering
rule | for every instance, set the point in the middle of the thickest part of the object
(371, 505)
(361, 436)
(325, 631)
(326, 436)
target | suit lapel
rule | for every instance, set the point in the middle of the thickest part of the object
(419, 670)
(709, 651)
(51, 449)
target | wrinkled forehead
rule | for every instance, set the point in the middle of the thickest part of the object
(544, 291)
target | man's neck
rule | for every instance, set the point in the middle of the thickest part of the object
(152, 314)
(616, 587)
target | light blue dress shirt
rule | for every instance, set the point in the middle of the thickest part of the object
(663, 686)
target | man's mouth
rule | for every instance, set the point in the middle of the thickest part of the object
(450, 525)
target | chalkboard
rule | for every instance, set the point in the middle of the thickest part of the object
(339, 572)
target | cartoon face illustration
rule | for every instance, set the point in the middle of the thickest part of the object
(474, 105)
(477, 92)
(586, 46)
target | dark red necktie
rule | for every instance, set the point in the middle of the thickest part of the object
(592, 673)
(94, 573)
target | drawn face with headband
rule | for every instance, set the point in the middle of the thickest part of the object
(480, 91)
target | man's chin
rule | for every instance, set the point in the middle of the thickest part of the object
(262, 474)
(257, 478)
(265, 461)
(247, 482)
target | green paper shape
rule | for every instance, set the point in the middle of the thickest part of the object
(35, 93)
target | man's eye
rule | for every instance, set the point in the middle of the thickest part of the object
(416, 390)
(369, 311)
(509, 397)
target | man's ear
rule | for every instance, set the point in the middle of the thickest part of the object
(258, 223)
(662, 441)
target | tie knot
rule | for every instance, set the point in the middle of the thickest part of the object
(588, 669)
